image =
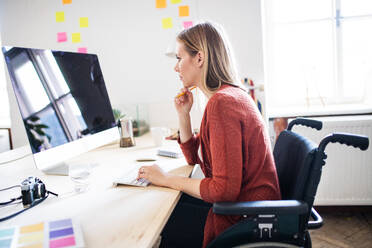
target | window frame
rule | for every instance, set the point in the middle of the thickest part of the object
(339, 99)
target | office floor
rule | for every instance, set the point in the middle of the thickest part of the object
(344, 227)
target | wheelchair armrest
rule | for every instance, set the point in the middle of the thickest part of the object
(317, 222)
(260, 207)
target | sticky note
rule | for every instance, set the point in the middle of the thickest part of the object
(75, 37)
(187, 24)
(167, 22)
(60, 16)
(32, 228)
(83, 22)
(66, 1)
(61, 37)
(183, 10)
(175, 1)
(160, 4)
(82, 50)
(63, 242)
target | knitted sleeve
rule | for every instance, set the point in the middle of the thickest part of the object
(225, 138)
(190, 149)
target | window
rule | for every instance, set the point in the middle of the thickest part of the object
(318, 54)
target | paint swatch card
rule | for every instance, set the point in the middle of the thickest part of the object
(52, 234)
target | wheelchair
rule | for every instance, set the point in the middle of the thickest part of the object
(285, 223)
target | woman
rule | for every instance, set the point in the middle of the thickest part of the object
(233, 147)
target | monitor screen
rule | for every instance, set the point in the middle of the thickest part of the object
(61, 96)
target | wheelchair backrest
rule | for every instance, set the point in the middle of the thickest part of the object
(293, 155)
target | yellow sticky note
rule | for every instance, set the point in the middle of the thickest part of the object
(160, 4)
(60, 16)
(75, 37)
(83, 22)
(183, 10)
(167, 22)
(175, 1)
(66, 1)
(32, 228)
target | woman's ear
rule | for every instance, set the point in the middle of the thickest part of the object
(200, 58)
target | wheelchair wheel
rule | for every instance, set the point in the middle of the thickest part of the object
(267, 245)
(307, 240)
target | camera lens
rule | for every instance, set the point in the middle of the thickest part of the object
(27, 197)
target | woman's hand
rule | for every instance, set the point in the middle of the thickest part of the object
(184, 103)
(154, 174)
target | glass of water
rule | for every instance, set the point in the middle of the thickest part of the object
(80, 176)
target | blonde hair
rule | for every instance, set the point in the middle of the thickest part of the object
(219, 66)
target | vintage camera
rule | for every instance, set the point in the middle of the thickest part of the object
(32, 189)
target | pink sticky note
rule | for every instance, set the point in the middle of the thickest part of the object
(82, 50)
(61, 37)
(187, 24)
(62, 242)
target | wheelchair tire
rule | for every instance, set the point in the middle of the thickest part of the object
(268, 245)
(307, 240)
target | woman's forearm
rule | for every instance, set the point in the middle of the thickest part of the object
(185, 127)
(190, 186)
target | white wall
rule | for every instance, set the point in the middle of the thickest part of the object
(130, 43)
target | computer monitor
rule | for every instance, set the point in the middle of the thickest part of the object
(63, 102)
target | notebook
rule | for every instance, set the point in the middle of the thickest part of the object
(170, 151)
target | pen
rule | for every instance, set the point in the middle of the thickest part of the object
(183, 93)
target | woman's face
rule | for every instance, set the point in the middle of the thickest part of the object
(188, 67)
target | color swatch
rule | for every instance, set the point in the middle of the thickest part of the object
(53, 234)
(175, 1)
(66, 1)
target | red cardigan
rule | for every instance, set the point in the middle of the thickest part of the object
(236, 157)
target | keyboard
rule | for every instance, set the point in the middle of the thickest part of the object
(130, 176)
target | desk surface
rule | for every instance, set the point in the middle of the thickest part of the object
(122, 216)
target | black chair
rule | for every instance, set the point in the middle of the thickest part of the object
(285, 223)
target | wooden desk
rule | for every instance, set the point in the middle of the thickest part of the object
(122, 216)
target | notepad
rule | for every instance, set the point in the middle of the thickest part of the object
(170, 151)
(53, 234)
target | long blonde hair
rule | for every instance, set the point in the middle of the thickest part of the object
(219, 65)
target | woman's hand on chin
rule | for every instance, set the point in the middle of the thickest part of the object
(184, 102)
